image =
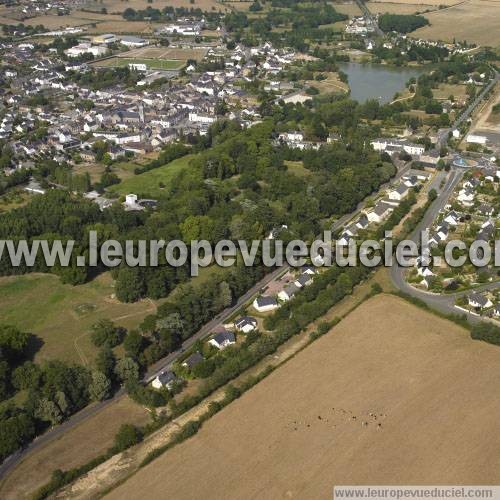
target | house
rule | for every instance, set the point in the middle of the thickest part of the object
(310, 270)
(222, 339)
(430, 157)
(452, 219)
(191, 361)
(380, 212)
(165, 378)
(303, 280)
(288, 292)
(392, 146)
(485, 209)
(362, 222)
(466, 197)
(496, 311)
(479, 301)
(246, 324)
(264, 303)
(399, 193)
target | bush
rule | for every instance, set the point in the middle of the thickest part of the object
(127, 436)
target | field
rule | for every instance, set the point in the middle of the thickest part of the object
(92, 437)
(399, 8)
(472, 20)
(149, 183)
(166, 53)
(387, 397)
(349, 8)
(119, 6)
(164, 64)
(332, 84)
(61, 315)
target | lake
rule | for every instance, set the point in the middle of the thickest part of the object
(375, 81)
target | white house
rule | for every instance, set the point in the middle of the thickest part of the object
(265, 304)
(479, 301)
(222, 340)
(246, 324)
(165, 378)
(380, 212)
(399, 193)
(288, 292)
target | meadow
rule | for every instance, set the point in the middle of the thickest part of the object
(61, 315)
(151, 184)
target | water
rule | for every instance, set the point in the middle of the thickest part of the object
(375, 81)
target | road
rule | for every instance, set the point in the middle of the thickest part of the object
(476, 101)
(366, 11)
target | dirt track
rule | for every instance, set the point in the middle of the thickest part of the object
(314, 422)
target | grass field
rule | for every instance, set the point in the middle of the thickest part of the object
(61, 315)
(165, 53)
(148, 184)
(301, 430)
(113, 6)
(150, 63)
(472, 20)
(92, 437)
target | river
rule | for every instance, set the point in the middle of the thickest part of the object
(375, 81)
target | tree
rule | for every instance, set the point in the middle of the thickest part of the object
(432, 195)
(105, 361)
(129, 284)
(27, 376)
(127, 369)
(127, 436)
(100, 387)
(48, 411)
(16, 429)
(105, 332)
(133, 343)
(13, 342)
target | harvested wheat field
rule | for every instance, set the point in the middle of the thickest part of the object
(476, 21)
(392, 394)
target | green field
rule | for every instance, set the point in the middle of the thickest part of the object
(165, 64)
(61, 315)
(148, 185)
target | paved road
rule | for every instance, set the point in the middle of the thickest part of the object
(444, 303)
(366, 11)
(477, 100)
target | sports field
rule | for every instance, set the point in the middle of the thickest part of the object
(392, 395)
(150, 63)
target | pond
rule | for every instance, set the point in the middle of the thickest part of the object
(375, 81)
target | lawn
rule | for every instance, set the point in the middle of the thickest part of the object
(61, 315)
(150, 183)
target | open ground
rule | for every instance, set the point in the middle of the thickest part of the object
(89, 439)
(61, 315)
(151, 184)
(392, 395)
(472, 20)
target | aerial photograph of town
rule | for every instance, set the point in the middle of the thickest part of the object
(248, 249)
